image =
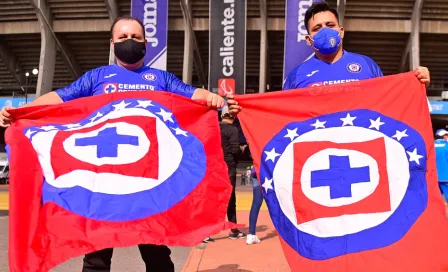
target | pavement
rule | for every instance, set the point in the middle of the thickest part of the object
(223, 255)
(234, 255)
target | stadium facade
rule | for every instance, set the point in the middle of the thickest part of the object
(65, 38)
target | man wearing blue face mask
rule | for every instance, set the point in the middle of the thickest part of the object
(331, 64)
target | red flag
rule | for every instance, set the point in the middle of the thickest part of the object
(113, 171)
(348, 174)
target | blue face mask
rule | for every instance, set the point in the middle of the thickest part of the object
(326, 41)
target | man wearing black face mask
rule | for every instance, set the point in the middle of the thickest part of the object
(129, 74)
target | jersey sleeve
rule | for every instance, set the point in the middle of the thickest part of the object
(82, 87)
(374, 68)
(175, 85)
(288, 83)
(291, 80)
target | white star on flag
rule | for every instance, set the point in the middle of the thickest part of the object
(120, 106)
(180, 131)
(72, 125)
(292, 133)
(144, 103)
(271, 155)
(98, 115)
(348, 120)
(267, 184)
(29, 133)
(319, 124)
(166, 115)
(376, 124)
(400, 134)
(48, 128)
(414, 157)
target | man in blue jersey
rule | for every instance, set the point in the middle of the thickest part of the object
(331, 64)
(441, 147)
(129, 74)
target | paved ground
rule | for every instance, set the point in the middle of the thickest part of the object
(223, 255)
(127, 259)
(226, 255)
(124, 258)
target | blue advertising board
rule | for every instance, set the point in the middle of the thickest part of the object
(439, 107)
(14, 102)
(296, 49)
(154, 15)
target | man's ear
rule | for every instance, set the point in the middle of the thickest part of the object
(308, 40)
(342, 32)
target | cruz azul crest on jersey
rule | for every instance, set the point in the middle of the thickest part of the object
(149, 76)
(354, 67)
(344, 182)
(87, 168)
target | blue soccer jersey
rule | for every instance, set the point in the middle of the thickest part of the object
(315, 72)
(113, 78)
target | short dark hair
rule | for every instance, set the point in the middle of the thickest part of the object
(128, 18)
(316, 8)
(227, 116)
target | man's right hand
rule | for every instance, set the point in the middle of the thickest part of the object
(234, 108)
(5, 117)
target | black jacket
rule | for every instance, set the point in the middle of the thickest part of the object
(230, 144)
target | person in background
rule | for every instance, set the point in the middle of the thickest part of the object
(254, 209)
(245, 177)
(441, 147)
(231, 146)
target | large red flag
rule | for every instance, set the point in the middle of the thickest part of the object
(113, 171)
(348, 174)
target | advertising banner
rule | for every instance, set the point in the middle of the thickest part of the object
(227, 48)
(296, 49)
(15, 102)
(154, 15)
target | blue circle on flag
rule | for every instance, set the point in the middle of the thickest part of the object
(384, 234)
(138, 205)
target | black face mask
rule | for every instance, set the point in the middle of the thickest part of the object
(130, 51)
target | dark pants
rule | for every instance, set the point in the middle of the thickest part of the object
(156, 258)
(231, 208)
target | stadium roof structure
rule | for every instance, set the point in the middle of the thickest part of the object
(397, 34)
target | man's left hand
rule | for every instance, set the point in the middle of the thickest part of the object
(214, 100)
(422, 73)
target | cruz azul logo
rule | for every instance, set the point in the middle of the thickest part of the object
(86, 164)
(149, 77)
(354, 67)
(342, 177)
